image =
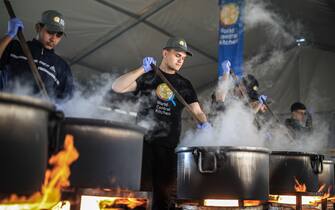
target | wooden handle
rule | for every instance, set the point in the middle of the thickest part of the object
(179, 97)
(27, 53)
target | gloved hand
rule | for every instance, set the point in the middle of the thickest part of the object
(225, 68)
(204, 125)
(147, 61)
(13, 26)
(59, 107)
(262, 99)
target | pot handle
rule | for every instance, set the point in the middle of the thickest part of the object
(200, 165)
(317, 163)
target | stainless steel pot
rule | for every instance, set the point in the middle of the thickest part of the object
(286, 166)
(326, 178)
(223, 173)
(110, 154)
(25, 126)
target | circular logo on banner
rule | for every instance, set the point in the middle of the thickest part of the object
(229, 14)
(164, 92)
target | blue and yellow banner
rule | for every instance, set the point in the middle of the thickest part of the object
(231, 35)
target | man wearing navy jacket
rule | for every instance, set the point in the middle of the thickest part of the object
(54, 71)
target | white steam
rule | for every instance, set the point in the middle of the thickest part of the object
(234, 127)
(92, 103)
(259, 14)
(237, 126)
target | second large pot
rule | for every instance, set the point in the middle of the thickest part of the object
(110, 154)
(223, 173)
(288, 167)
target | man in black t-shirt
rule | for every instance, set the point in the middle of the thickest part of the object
(161, 105)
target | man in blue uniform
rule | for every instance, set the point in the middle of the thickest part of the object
(54, 71)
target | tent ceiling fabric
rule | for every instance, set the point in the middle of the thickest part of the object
(195, 20)
(114, 35)
(132, 42)
(317, 16)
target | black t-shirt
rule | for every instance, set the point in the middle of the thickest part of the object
(159, 103)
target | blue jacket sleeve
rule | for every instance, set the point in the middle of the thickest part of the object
(66, 88)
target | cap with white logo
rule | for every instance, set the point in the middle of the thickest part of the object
(178, 44)
(53, 21)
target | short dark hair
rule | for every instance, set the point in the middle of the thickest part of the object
(297, 105)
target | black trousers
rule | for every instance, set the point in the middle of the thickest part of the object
(163, 161)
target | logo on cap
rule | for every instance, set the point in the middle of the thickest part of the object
(182, 43)
(58, 20)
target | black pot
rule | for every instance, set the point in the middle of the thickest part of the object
(25, 126)
(286, 166)
(327, 177)
(110, 154)
(223, 173)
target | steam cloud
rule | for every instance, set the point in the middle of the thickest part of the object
(236, 126)
(94, 102)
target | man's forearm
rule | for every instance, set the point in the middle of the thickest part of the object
(4, 43)
(125, 83)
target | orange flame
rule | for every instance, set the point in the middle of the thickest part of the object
(299, 187)
(129, 202)
(90, 202)
(54, 180)
(322, 187)
(248, 203)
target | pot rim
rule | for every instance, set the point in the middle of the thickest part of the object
(225, 148)
(101, 123)
(294, 153)
(27, 101)
(328, 161)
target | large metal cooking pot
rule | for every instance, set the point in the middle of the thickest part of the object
(25, 126)
(326, 178)
(110, 154)
(287, 166)
(222, 173)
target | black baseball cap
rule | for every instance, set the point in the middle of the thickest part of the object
(178, 44)
(53, 21)
(297, 105)
(251, 84)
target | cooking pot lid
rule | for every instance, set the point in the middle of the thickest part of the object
(102, 123)
(26, 101)
(224, 148)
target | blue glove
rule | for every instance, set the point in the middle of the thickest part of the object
(204, 125)
(226, 67)
(147, 61)
(262, 99)
(13, 26)
(59, 107)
